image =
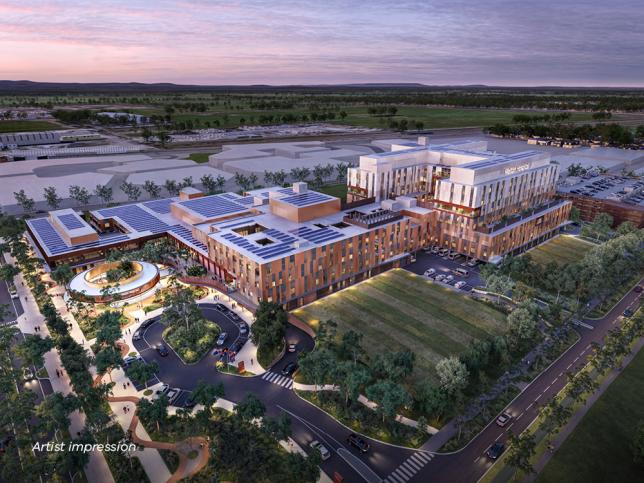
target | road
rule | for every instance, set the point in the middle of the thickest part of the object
(384, 462)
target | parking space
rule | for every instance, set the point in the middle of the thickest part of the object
(438, 265)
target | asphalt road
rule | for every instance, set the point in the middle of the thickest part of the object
(445, 266)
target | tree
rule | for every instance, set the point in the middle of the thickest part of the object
(351, 379)
(499, 285)
(132, 191)
(32, 349)
(163, 138)
(522, 325)
(62, 274)
(171, 187)
(300, 174)
(142, 371)
(208, 183)
(389, 396)
(186, 182)
(180, 308)
(108, 359)
(155, 411)
(51, 197)
(625, 228)
(394, 366)
(55, 409)
(452, 374)
(555, 416)
(80, 194)
(350, 344)
(270, 325)
(318, 366)
(575, 214)
(146, 134)
(7, 272)
(520, 452)
(341, 169)
(109, 328)
(153, 189)
(104, 193)
(250, 408)
(220, 181)
(637, 444)
(26, 203)
(207, 395)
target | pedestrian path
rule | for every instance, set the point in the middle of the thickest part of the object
(409, 467)
(275, 378)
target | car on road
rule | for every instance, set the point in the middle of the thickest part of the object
(138, 335)
(638, 289)
(358, 443)
(127, 361)
(219, 306)
(289, 369)
(162, 350)
(429, 271)
(222, 338)
(13, 292)
(243, 328)
(236, 347)
(503, 419)
(292, 347)
(628, 313)
(324, 452)
(460, 285)
(147, 323)
(472, 263)
(495, 450)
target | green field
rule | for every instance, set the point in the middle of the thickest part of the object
(399, 310)
(562, 249)
(338, 190)
(27, 126)
(598, 449)
(199, 157)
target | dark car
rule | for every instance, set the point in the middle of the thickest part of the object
(289, 369)
(219, 306)
(236, 346)
(243, 328)
(638, 289)
(495, 450)
(628, 313)
(162, 350)
(147, 323)
(358, 443)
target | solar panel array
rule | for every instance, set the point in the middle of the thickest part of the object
(212, 206)
(245, 221)
(304, 199)
(317, 236)
(184, 233)
(281, 236)
(71, 221)
(136, 217)
(246, 201)
(53, 242)
(262, 252)
(160, 206)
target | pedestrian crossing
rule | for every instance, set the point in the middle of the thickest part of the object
(409, 467)
(275, 378)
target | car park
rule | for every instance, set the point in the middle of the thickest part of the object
(162, 350)
(358, 443)
(222, 338)
(172, 394)
(289, 369)
(503, 419)
(430, 271)
(163, 389)
(495, 450)
(324, 452)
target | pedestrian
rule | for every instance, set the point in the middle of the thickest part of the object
(124, 386)
(124, 409)
(251, 361)
(128, 384)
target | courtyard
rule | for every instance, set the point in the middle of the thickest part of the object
(399, 310)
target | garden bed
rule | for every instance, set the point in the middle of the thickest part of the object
(193, 343)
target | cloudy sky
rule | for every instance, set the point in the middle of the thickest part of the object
(537, 42)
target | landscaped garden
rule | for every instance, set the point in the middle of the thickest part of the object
(402, 311)
(562, 249)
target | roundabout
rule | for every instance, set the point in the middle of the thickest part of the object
(114, 281)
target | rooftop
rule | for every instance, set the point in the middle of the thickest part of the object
(615, 188)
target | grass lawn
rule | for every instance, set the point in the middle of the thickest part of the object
(562, 249)
(199, 157)
(399, 310)
(27, 126)
(338, 190)
(599, 447)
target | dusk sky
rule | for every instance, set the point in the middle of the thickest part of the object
(562, 42)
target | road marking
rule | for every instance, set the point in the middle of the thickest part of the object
(408, 468)
(508, 429)
(530, 405)
(519, 416)
(547, 388)
(278, 380)
(576, 359)
(561, 373)
(364, 471)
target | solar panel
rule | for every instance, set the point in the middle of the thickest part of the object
(53, 242)
(71, 221)
(317, 236)
(136, 217)
(304, 199)
(261, 251)
(212, 206)
(185, 234)
(160, 206)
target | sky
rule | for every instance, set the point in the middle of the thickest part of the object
(210, 42)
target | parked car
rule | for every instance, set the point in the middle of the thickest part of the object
(162, 350)
(460, 285)
(28, 374)
(503, 419)
(440, 277)
(472, 263)
(430, 271)
(13, 292)
(163, 389)
(325, 453)
(435, 249)
(172, 394)
(495, 450)
(448, 279)
(289, 369)
(222, 338)
(292, 347)
(127, 361)
(236, 346)
(358, 443)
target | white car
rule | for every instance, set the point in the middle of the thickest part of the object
(430, 271)
(222, 338)
(449, 278)
(326, 454)
(440, 277)
(460, 284)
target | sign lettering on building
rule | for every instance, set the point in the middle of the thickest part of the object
(517, 169)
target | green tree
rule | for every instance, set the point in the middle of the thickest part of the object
(389, 396)
(250, 408)
(318, 366)
(155, 411)
(351, 379)
(52, 198)
(637, 444)
(171, 187)
(270, 325)
(522, 327)
(625, 228)
(8, 272)
(208, 183)
(452, 374)
(351, 344)
(143, 371)
(104, 193)
(108, 359)
(520, 452)
(55, 409)
(132, 191)
(575, 214)
(207, 395)
(26, 203)
(62, 274)
(33, 348)
(153, 189)
(79, 194)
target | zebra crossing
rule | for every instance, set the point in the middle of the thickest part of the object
(275, 378)
(409, 467)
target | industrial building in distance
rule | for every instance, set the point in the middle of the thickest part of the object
(293, 245)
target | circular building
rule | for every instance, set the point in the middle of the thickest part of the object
(115, 280)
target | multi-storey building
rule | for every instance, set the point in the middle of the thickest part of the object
(484, 204)
(289, 245)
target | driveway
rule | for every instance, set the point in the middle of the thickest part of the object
(445, 266)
